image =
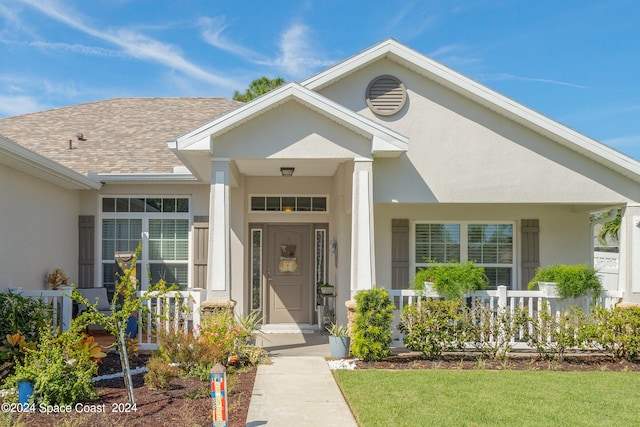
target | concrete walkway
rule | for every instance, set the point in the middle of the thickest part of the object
(297, 389)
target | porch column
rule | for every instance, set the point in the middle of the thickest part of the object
(362, 241)
(629, 239)
(218, 258)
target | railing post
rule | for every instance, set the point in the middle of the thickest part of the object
(67, 307)
(197, 299)
(502, 297)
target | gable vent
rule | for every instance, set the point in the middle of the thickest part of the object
(386, 95)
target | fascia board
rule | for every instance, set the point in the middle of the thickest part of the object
(36, 165)
(142, 178)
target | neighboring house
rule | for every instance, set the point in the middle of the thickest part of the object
(396, 161)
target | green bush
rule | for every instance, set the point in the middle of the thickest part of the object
(432, 326)
(617, 331)
(372, 326)
(454, 279)
(553, 335)
(573, 280)
(159, 375)
(492, 329)
(61, 368)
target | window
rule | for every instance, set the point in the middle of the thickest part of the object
(488, 244)
(288, 203)
(160, 224)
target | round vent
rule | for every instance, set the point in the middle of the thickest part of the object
(386, 95)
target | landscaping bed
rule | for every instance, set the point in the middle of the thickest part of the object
(516, 361)
(187, 402)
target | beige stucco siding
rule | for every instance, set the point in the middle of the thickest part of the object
(38, 230)
(564, 232)
(460, 151)
(291, 131)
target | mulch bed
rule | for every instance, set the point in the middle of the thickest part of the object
(522, 362)
(186, 403)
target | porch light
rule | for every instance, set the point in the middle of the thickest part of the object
(287, 171)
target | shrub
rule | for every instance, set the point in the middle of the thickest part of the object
(21, 320)
(492, 329)
(553, 335)
(453, 280)
(372, 326)
(432, 326)
(617, 331)
(159, 375)
(61, 368)
(573, 280)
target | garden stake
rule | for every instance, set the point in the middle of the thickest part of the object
(218, 377)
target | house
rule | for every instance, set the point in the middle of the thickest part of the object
(356, 176)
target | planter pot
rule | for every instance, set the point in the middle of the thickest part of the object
(25, 391)
(550, 289)
(339, 347)
(326, 290)
(429, 288)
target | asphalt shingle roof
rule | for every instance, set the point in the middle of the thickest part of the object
(122, 135)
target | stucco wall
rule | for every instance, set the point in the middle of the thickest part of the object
(462, 152)
(38, 230)
(564, 233)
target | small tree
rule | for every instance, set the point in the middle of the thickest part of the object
(372, 326)
(258, 87)
(125, 302)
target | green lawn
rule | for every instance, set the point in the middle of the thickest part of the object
(491, 398)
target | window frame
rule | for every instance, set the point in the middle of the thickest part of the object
(142, 265)
(464, 245)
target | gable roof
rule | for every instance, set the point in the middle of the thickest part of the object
(121, 136)
(492, 100)
(385, 142)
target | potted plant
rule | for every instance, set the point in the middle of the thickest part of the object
(452, 280)
(56, 279)
(327, 289)
(567, 281)
(339, 341)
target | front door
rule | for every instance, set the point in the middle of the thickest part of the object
(289, 273)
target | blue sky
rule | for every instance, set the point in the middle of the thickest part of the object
(577, 62)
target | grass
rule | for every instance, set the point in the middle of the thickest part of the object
(491, 398)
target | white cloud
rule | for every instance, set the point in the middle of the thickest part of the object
(12, 105)
(298, 57)
(505, 76)
(624, 143)
(212, 29)
(134, 44)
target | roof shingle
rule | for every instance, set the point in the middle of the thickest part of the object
(122, 135)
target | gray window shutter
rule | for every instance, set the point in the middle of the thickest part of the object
(86, 251)
(530, 233)
(200, 250)
(399, 254)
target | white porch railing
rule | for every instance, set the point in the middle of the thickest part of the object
(60, 302)
(502, 297)
(169, 311)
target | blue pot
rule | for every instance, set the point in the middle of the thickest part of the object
(25, 391)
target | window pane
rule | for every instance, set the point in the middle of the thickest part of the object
(108, 204)
(136, 205)
(168, 205)
(304, 204)
(273, 203)
(288, 204)
(171, 273)
(256, 269)
(258, 204)
(154, 205)
(122, 205)
(498, 276)
(319, 204)
(182, 205)
(437, 242)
